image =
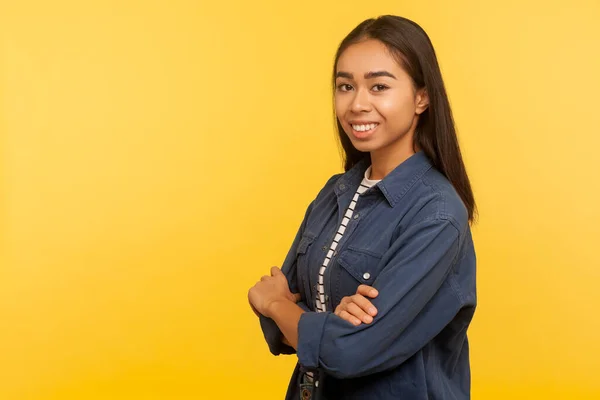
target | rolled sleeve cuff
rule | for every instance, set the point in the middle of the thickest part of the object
(273, 334)
(310, 333)
(273, 337)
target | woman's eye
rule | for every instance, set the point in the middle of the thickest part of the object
(379, 88)
(344, 87)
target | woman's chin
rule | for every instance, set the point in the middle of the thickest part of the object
(366, 146)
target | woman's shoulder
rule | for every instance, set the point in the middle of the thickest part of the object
(329, 186)
(333, 179)
(343, 180)
(444, 201)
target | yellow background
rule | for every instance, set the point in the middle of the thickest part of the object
(158, 156)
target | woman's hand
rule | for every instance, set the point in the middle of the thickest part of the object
(268, 290)
(357, 309)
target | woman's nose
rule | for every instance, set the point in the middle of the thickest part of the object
(361, 102)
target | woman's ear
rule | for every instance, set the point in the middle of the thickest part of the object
(422, 101)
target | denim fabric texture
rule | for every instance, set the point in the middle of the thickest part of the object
(410, 238)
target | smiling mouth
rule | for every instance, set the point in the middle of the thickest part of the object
(364, 127)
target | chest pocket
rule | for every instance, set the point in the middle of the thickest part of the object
(302, 270)
(357, 267)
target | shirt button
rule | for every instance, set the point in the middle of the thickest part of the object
(324, 248)
(342, 186)
(366, 275)
(356, 216)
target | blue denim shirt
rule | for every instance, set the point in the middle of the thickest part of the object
(409, 238)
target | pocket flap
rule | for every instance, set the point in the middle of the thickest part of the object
(305, 242)
(361, 265)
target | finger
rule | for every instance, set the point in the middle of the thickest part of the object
(297, 297)
(343, 303)
(368, 291)
(364, 304)
(264, 278)
(347, 317)
(275, 271)
(354, 310)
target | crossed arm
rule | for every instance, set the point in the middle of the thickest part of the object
(272, 298)
(410, 310)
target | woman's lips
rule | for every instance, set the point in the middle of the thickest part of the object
(363, 130)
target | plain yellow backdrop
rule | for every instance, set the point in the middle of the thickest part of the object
(158, 156)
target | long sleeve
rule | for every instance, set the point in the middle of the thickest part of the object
(271, 331)
(417, 298)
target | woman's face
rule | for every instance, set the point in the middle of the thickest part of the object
(375, 99)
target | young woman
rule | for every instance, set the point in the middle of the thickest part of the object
(378, 289)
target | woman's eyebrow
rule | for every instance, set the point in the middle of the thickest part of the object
(342, 74)
(377, 74)
(368, 75)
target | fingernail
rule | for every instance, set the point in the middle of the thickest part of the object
(372, 310)
(373, 292)
(368, 319)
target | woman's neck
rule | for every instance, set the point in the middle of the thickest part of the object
(384, 161)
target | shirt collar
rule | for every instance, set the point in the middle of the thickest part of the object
(396, 184)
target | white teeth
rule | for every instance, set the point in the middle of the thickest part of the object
(363, 128)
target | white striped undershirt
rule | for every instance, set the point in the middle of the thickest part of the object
(321, 304)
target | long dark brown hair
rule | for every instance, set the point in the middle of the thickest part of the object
(435, 133)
